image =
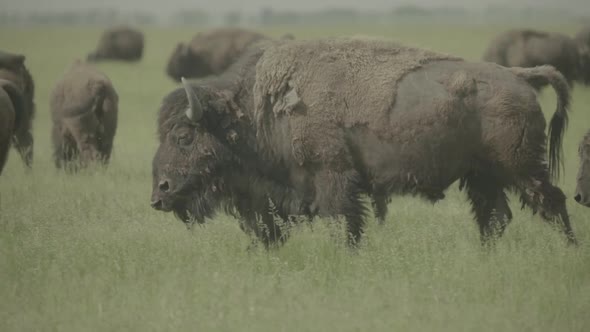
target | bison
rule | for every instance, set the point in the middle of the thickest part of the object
(316, 124)
(84, 109)
(530, 48)
(119, 43)
(13, 69)
(583, 188)
(11, 110)
(210, 52)
(583, 40)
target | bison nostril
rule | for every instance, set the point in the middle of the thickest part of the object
(164, 186)
(157, 204)
(578, 198)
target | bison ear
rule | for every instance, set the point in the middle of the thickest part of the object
(194, 111)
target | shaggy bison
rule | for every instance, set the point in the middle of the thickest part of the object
(210, 52)
(13, 69)
(316, 124)
(583, 41)
(583, 188)
(119, 43)
(84, 107)
(11, 109)
(530, 48)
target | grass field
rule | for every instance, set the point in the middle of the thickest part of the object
(87, 253)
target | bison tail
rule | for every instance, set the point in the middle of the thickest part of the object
(541, 76)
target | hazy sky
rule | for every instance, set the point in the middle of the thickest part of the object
(254, 5)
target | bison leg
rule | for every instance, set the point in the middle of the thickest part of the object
(541, 196)
(379, 202)
(23, 142)
(265, 228)
(489, 204)
(338, 194)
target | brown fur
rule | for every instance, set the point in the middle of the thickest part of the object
(328, 122)
(13, 69)
(531, 48)
(210, 52)
(583, 40)
(119, 43)
(583, 186)
(11, 104)
(84, 110)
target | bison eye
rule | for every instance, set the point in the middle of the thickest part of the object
(185, 139)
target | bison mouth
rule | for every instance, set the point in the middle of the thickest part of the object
(190, 208)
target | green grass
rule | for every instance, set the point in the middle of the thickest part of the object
(87, 253)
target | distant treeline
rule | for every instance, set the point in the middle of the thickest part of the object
(268, 16)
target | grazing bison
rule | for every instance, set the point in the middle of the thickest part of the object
(583, 41)
(210, 52)
(119, 43)
(530, 48)
(583, 188)
(11, 109)
(84, 107)
(319, 123)
(13, 69)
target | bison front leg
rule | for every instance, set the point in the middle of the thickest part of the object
(338, 194)
(490, 205)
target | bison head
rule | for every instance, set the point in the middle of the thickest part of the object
(185, 63)
(583, 188)
(190, 161)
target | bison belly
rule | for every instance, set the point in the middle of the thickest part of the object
(435, 134)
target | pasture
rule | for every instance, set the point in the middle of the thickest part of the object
(88, 253)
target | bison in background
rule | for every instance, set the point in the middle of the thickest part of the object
(119, 43)
(11, 110)
(530, 48)
(583, 187)
(316, 124)
(583, 40)
(13, 69)
(84, 107)
(210, 52)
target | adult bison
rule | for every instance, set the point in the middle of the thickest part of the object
(11, 109)
(84, 107)
(210, 52)
(119, 43)
(316, 124)
(530, 48)
(583, 40)
(583, 189)
(13, 69)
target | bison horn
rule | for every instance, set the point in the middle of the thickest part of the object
(194, 111)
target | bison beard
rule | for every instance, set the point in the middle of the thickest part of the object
(304, 130)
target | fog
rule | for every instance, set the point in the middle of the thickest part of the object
(168, 6)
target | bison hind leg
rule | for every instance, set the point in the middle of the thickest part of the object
(489, 205)
(379, 202)
(541, 196)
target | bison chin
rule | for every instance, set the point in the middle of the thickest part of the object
(198, 206)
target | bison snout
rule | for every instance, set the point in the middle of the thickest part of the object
(157, 204)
